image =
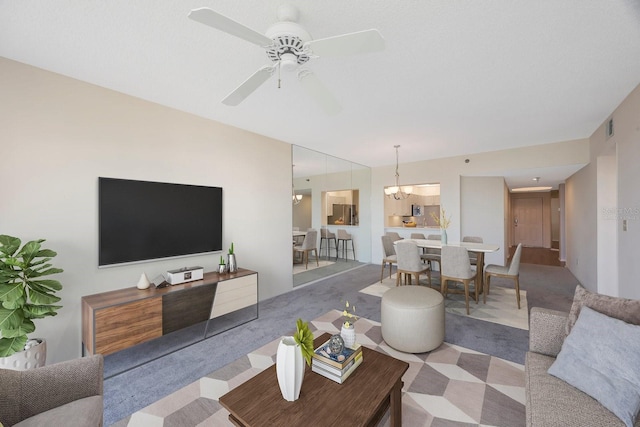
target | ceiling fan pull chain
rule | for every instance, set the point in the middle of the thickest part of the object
(278, 74)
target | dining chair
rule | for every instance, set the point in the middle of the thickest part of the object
(473, 239)
(431, 255)
(456, 267)
(512, 271)
(389, 255)
(409, 263)
(345, 237)
(309, 244)
(327, 235)
(395, 236)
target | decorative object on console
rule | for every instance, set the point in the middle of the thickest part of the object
(290, 358)
(159, 281)
(186, 274)
(231, 260)
(222, 267)
(143, 283)
(24, 294)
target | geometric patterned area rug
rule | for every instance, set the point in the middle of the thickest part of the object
(501, 306)
(449, 386)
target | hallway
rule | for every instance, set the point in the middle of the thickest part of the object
(540, 256)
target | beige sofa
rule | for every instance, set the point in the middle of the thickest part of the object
(66, 394)
(549, 400)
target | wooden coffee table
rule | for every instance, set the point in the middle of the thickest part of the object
(362, 400)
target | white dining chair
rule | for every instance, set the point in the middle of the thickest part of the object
(512, 271)
(456, 267)
(409, 263)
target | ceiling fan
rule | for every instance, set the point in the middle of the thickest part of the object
(289, 46)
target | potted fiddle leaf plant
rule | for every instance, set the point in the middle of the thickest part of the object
(25, 295)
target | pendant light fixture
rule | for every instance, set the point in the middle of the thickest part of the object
(397, 192)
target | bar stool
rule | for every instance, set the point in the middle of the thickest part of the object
(328, 236)
(345, 237)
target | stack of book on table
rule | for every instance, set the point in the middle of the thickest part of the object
(336, 367)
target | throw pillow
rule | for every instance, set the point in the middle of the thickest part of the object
(624, 309)
(601, 357)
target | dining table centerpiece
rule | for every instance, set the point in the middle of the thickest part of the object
(443, 222)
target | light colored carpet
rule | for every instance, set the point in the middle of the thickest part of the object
(451, 385)
(501, 306)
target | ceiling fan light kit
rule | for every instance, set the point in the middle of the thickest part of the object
(288, 45)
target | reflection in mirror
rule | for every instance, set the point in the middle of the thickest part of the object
(340, 207)
(332, 190)
(417, 210)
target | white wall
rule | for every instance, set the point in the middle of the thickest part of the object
(58, 135)
(584, 215)
(627, 140)
(483, 213)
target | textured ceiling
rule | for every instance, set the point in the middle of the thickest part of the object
(456, 77)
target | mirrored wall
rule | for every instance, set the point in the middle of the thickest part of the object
(330, 194)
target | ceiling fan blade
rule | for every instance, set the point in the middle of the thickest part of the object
(347, 44)
(249, 86)
(318, 91)
(213, 19)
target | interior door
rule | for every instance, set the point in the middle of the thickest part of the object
(527, 221)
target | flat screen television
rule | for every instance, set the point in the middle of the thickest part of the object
(143, 220)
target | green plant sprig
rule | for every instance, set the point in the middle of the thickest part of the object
(231, 249)
(221, 260)
(304, 338)
(349, 315)
(443, 221)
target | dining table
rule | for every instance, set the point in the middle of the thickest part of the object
(478, 248)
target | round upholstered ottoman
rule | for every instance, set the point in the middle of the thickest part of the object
(412, 318)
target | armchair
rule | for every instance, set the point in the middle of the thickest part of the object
(67, 393)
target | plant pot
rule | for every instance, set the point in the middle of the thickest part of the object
(289, 368)
(222, 268)
(233, 265)
(348, 335)
(34, 357)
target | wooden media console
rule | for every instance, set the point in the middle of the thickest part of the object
(116, 320)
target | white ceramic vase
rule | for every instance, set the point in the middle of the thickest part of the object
(289, 368)
(35, 356)
(348, 335)
(443, 236)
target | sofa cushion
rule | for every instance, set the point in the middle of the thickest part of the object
(619, 308)
(79, 413)
(601, 356)
(551, 402)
